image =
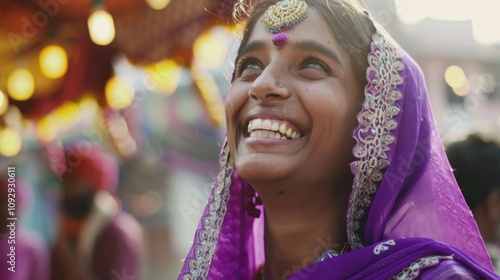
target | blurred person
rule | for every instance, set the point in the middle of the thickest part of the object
(24, 255)
(476, 164)
(96, 240)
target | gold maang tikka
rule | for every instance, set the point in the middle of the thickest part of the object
(281, 15)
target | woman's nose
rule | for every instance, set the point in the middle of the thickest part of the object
(267, 88)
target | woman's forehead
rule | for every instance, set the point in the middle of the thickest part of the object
(312, 28)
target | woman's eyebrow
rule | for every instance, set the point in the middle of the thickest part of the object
(252, 46)
(313, 46)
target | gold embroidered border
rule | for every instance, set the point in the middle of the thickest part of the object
(374, 133)
(413, 270)
(212, 223)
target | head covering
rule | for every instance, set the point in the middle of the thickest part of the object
(405, 207)
(86, 161)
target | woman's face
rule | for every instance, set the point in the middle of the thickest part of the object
(291, 112)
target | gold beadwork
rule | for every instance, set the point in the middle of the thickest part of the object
(284, 14)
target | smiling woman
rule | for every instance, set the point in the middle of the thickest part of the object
(333, 167)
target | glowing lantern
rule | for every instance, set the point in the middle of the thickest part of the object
(21, 84)
(53, 62)
(101, 27)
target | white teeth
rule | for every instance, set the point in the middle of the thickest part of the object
(282, 128)
(266, 124)
(256, 123)
(275, 126)
(271, 129)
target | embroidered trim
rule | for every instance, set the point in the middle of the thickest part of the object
(212, 223)
(373, 134)
(383, 246)
(413, 270)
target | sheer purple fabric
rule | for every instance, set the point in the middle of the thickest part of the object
(406, 217)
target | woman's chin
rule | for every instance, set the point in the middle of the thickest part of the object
(262, 172)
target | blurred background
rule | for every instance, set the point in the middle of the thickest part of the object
(146, 79)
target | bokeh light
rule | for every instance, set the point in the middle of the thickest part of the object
(210, 50)
(119, 93)
(21, 84)
(10, 142)
(53, 62)
(4, 103)
(158, 4)
(68, 113)
(163, 77)
(454, 76)
(101, 27)
(48, 128)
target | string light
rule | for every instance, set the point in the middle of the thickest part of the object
(20, 84)
(53, 62)
(101, 27)
(158, 4)
(10, 142)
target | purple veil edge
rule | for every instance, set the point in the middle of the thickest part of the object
(418, 195)
(384, 264)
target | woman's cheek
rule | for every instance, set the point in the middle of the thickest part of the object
(235, 99)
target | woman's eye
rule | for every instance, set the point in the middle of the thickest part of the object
(314, 63)
(251, 66)
(247, 64)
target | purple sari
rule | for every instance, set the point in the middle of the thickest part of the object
(406, 217)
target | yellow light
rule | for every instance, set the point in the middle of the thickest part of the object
(119, 93)
(10, 142)
(4, 103)
(163, 77)
(67, 113)
(454, 76)
(48, 127)
(20, 84)
(53, 62)
(210, 50)
(158, 4)
(463, 90)
(101, 27)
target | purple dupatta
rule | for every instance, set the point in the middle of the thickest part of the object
(405, 211)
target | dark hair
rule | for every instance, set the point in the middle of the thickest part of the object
(476, 164)
(351, 27)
